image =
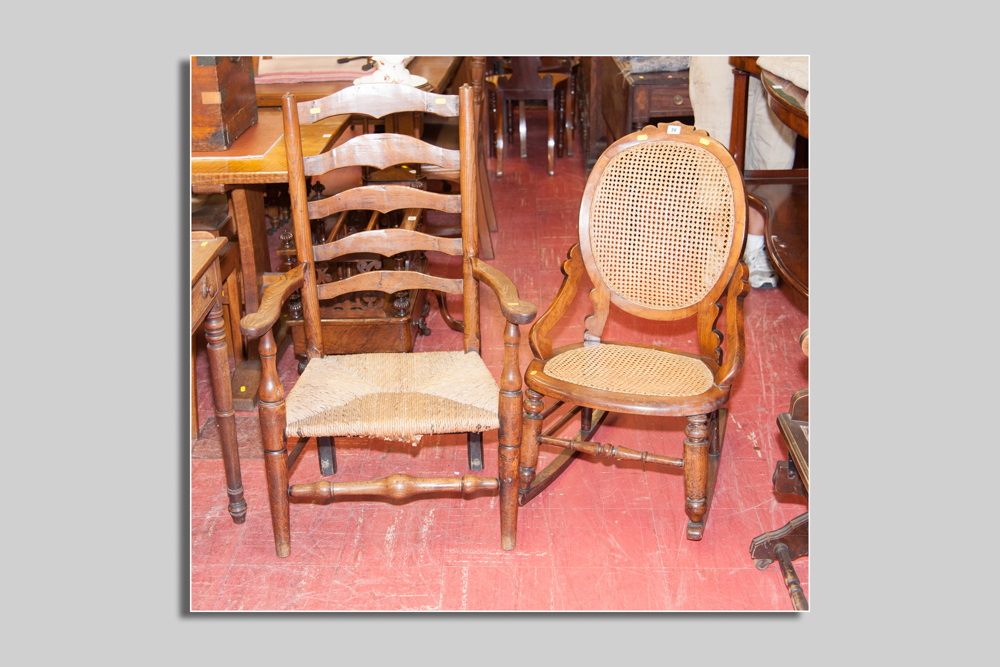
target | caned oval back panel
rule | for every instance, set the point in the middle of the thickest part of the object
(664, 222)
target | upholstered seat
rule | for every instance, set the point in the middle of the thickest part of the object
(628, 369)
(393, 396)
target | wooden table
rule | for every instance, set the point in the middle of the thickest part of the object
(257, 158)
(206, 306)
(783, 193)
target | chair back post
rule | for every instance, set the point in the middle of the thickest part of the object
(470, 229)
(300, 220)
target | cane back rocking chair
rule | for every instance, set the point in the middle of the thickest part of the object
(396, 396)
(662, 227)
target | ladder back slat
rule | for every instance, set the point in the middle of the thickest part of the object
(386, 242)
(383, 198)
(381, 151)
(389, 282)
(369, 100)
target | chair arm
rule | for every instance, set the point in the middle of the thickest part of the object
(573, 269)
(256, 324)
(512, 306)
(735, 337)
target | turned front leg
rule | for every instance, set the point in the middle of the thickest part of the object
(509, 435)
(218, 360)
(531, 428)
(696, 474)
(272, 428)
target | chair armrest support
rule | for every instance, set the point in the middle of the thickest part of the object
(573, 270)
(735, 337)
(256, 324)
(516, 310)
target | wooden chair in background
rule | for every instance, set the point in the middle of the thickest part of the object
(524, 83)
(391, 396)
(662, 228)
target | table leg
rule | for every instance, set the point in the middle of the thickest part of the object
(218, 361)
(247, 209)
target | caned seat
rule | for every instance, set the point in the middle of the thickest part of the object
(393, 396)
(662, 227)
(628, 369)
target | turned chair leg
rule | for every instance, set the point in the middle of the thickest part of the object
(474, 443)
(327, 455)
(696, 474)
(272, 428)
(509, 449)
(501, 132)
(552, 136)
(531, 428)
(522, 121)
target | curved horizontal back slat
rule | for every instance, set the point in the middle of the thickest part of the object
(383, 198)
(389, 282)
(386, 242)
(381, 150)
(371, 103)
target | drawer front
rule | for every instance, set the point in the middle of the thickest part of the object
(670, 101)
(203, 295)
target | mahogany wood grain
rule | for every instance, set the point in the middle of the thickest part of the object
(787, 101)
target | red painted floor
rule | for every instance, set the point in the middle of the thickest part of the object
(601, 537)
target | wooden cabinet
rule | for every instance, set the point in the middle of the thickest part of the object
(223, 100)
(628, 101)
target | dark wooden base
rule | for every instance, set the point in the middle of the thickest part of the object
(784, 545)
(368, 334)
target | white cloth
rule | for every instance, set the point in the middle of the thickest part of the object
(770, 144)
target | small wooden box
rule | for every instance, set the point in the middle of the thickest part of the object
(223, 100)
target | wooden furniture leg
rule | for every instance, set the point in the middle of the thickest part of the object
(696, 474)
(522, 119)
(194, 395)
(218, 358)
(272, 428)
(784, 545)
(501, 132)
(247, 209)
(327, 456)
(552, 135)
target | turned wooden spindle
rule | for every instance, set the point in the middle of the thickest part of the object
(225, 415)
(398, 487)
(509, 448)
(696, 473)
(799, 601)
(609, 451)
